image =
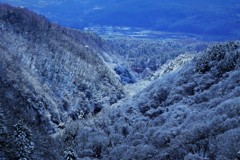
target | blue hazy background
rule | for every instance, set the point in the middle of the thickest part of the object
(212, 19)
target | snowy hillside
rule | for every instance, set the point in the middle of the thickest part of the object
(193, 113)
(144, 56)
(67, 94)
(50, 75)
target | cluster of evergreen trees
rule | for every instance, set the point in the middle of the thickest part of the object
(17, 144)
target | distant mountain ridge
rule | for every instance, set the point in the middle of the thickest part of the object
(213, 19)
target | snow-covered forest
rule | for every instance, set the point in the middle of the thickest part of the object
(68, 94)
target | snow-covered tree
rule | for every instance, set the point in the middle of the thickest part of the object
(22, 140)
(2, 128)
(69, 154)
(3, 134)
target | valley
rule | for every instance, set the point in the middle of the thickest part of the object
(126, 93)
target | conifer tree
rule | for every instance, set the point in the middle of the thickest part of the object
(69, 154)
(3, 134)
(22, 140)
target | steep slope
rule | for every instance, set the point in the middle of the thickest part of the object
(50, 75)
(170, 66)
(193, 113)
(144, 56)
(139, 61)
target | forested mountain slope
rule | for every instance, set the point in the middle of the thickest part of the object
(145, 56)
(61, 98)
(50, 75)
(192, 113)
